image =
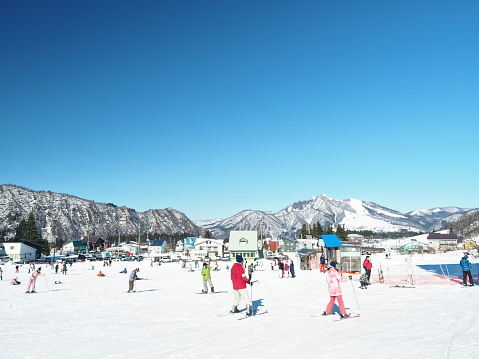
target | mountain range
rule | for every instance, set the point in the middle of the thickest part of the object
(353, 214)
(65, 217)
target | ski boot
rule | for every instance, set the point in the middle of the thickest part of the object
(345, 316)
(249, 310)
(234, 310)
(325, 313)
(212, 289)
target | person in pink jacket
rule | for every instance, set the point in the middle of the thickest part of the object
(238, 277)
(334, 279)
(33, 280)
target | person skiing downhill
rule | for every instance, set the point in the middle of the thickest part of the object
(206, 274)
(466, 271)
(238, 277)
(334, 279)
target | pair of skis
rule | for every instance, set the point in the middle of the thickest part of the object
(350, 316)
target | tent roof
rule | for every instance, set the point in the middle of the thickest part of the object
(331, 240)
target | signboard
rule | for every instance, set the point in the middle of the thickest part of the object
(243, 241)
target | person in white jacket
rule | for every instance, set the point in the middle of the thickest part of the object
(334, 279)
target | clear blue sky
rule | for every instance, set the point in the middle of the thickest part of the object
(213, 107)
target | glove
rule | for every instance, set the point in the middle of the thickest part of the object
(350, 277)
(251, 283)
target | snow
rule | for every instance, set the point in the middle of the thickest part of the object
(92, 317)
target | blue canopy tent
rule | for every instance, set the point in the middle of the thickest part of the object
(332, 243)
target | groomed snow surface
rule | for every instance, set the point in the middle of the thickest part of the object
(94, 317)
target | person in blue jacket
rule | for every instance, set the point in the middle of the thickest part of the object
(466, 271)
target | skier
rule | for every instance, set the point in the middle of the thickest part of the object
(1, 273)
(334, 279)
(206, 274)
(131, 280)
(367, 265)
(250, 271)
(466, 271)
(238, 277)
(56, 268)
(14, 281)
(100, 274)
(33, 280)
(64, 270)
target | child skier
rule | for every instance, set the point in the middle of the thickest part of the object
(363, 279)
(334, 278)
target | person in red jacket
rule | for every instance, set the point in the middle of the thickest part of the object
(238, 277)
(367, 265)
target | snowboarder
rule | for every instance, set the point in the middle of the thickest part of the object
(367, 265)
(131, 280)
(206, 274)
(466, 271)
(238, 277)
(33, 280)
(100, 274)
(14, 281)
(334, 279)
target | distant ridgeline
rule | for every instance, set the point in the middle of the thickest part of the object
(63, 217)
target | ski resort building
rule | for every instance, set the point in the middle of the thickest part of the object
(244, 243)
(74, 247)
(157, 246)
(23, 251)
(212, 247)
(442, 241)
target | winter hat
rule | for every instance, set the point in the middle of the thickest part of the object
(333, 264)
(466, 256)
(239, 258)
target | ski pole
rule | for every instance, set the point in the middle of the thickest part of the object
(46, 282)
(354, 290)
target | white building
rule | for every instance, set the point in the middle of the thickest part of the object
(20, 251)
(212, 247)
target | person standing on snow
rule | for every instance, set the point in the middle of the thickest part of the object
(367, 265)
(334, 279)
(466, 271)
(238, 277)
(131, 280)
(291, 269)
(32, 282)
(206, 274)
(322, 262)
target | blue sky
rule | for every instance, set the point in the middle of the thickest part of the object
(213, 107)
